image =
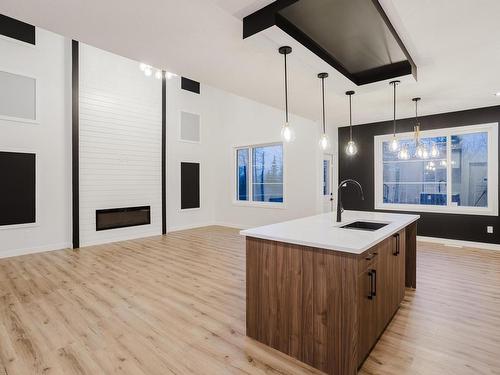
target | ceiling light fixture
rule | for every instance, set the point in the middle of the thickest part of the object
(287, 133)
(351, 148)
(324, 142)
(497, 93)
(394, 145)
(170, 75)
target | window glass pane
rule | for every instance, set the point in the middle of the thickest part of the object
(469, 169)
(242, 173)
(267, 185)
(326, 177)
(417, 179)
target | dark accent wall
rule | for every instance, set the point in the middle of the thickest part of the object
(17, 188)
(190, 85)
(17, 30)
(361, 168)
(75, 142)
(190, 185)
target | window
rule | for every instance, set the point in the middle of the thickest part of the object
(259, 173)
(460, 176)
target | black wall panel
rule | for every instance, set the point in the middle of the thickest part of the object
(17, 188)
(361, 168)
(190, 85)
(190, 185)
(16, 29)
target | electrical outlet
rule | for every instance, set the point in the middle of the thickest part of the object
(489, 229)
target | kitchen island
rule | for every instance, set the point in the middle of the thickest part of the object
(324, 294)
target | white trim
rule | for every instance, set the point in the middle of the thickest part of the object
(36, 120)
(178, 228)
(35, 250)
(459, 243)
(491, 210)
(250, 202)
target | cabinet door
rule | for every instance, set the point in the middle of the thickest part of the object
(367, 312)
(385, 292)
(400, 267)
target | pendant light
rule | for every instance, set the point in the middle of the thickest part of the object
(351, 148)
(287, 133)
(420, 150)
(324, 142)
(394, 144)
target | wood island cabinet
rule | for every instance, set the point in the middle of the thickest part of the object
(326, 308)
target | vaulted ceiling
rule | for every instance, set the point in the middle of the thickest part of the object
(454, 43)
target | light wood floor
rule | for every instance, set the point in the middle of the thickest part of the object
(176, 305)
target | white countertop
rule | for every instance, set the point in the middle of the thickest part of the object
(322, 231)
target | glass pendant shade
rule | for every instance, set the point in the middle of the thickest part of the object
(394, 145)
(324, 142)
(287, 133)
(351, 148)
(404, 154)
(419, 151)
(434, 151)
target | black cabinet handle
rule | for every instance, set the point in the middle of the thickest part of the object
(372, 274)
(396, 253)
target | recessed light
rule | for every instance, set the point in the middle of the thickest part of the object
(497, 93)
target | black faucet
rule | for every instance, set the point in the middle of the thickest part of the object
(339, 196)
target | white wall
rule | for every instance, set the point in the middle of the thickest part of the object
(228, 120)
(120, 143)
(50, 138)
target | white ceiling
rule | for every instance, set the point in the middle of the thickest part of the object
(455, 44)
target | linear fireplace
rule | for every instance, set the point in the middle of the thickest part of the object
(122, 217)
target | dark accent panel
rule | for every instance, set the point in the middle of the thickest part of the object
(263, 18)
(361, 168)
(122, 217)
(190, 85)
(17, 188)
(411, 256)
(75, 141)
(163, 154)
(17, 30)
(190, 185)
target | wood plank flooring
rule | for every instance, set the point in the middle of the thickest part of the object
(176, 305)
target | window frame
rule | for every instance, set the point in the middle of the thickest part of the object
(250, 202)
(491, 210)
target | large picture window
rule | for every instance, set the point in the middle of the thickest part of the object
(457, 173)
(259, 173)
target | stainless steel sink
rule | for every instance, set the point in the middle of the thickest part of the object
(364, 225)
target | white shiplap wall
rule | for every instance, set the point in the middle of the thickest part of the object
(120, 143)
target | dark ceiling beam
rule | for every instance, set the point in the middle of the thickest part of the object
(264, 18)
(270, 16)
(381, 73)
(394, 33)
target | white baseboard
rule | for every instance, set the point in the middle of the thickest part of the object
(122, 237)
(459, 243)
(34, 250)
(188, 226)
(232, 225)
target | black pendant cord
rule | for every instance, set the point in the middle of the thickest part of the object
(323, 95)
(394, 115)
(286, 91)
(350, 117)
